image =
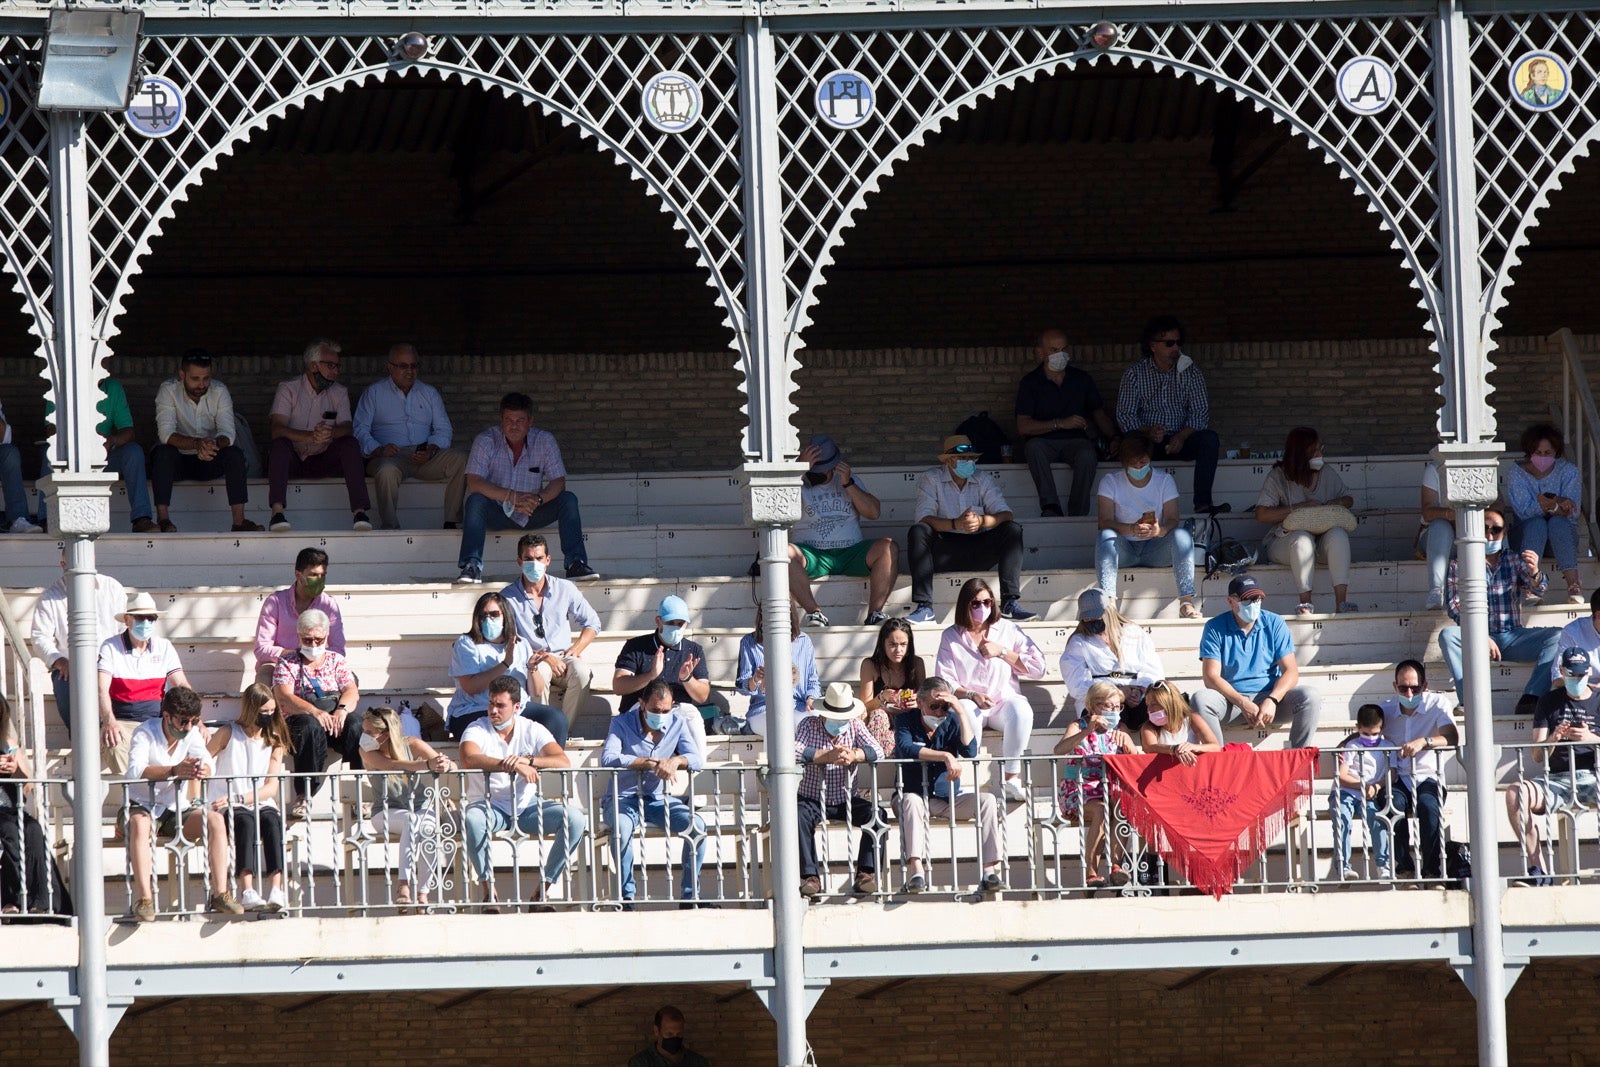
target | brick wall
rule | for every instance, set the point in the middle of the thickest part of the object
(1372, 1015)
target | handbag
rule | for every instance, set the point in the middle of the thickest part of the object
(1320, 519)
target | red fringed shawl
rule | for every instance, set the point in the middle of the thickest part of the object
(1211, 820)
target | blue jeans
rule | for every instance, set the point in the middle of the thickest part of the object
(1427, 800)
(1559, 531)
(127, 461)
(1440, 544)
(63, 693)
(1344, 814)
(1537, 643)
(480, 515)
(1115, 550)
(563, 822)
(11, 484)
(627, 813)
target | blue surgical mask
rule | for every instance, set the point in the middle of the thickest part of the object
(493, 627)
(1410, 700)
(1137, 473)
(1492, 548)
(143, 629)
(1577, 687)
(671, 635)
(835, 727)
(966, 468)
(533, 570)
(655, 721)
(1249, 610)
(1113, 718)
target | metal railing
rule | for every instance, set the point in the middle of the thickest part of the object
(376, 842)
(1580, 425)
(23, 681)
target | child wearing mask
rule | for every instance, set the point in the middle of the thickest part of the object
(1082, 790)
(1364, 763)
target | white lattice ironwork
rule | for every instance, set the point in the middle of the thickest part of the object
(1521, 156)
(25, 192)
(924, 77)
(237, 85)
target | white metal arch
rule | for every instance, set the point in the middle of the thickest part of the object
(1421, 277)
(241, 132)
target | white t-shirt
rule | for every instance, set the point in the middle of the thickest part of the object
(242, 767)
(528, 738)
(1430, 719)
(148, 748)
(1430, 480)
(827, 517)
(1132, 501)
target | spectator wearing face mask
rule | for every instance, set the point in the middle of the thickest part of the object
(666, 654)
(666, 1046)
(548, 610)
(1365, 761)
(1138, 519)
(1163, 396)
(1251, 675)
(313, 436)
(828, 540)
(277, 627)
(1418, 721)
(830, 744)
(1056, 404)
(1297, 481)
(963, 524)
(1544, 491)
(136, 668)
(1105, 647)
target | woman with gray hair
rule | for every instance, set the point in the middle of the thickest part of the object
(316, 693)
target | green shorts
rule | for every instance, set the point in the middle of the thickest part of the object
(851, 560)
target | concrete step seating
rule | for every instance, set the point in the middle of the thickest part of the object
(673, 524)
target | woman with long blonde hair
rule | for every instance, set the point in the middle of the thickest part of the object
(1106, 647)
(250, 755)
(400, 802)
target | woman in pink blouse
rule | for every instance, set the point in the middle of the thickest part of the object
(982, 656)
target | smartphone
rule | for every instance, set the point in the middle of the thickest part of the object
(330, 414)
(1147, 517)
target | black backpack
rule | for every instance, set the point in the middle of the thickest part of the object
(1223, 554)
(986, 436)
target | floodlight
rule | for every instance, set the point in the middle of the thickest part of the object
(89, 59)
(413, 46)
(1103, 35)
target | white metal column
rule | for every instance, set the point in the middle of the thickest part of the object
(1469, 455)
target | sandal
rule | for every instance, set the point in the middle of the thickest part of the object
(1306, 608)
(1188, 610)
(402, 901)
(300, 810)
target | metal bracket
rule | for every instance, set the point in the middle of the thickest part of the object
(67, 1008)
(764, 988)
(1465, 968)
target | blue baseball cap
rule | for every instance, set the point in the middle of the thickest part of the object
(673, 609)
(1245, 587)
(827, 454)
(1575, 661)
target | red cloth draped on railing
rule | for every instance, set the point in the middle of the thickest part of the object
(1211, 820)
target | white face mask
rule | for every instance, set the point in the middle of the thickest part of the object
(1057, 362)
(1315, 463)
(931, 722)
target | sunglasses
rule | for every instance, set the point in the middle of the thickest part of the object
(1408, 688)
(1494, 529)
(185, 724)
(144, 618)
(985, 600)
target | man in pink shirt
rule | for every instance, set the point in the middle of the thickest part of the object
(277, 630)
(312, 438)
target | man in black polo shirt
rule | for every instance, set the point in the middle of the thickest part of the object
(665, 654)
(1567, 715)
(1055, 406)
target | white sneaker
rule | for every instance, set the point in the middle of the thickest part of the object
(277, 901)
(1014, 791)
(21, 525)
(1434, 602)
(1351, 874)
(252, 900)
(815, 620)
(1385, 874)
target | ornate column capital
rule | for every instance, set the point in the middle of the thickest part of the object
(772, 493)
(1471, 472)
(80, 504)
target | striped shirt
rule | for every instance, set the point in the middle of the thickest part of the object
(138, 676)
(537, 466)
(1175, 399)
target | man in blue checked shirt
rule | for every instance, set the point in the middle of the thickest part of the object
(830, 744)
(650, 747)
(1512, 578)
(1164, 397)
(404, 432)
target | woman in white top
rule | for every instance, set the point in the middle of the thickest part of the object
(249, 755)
(1298, 480)
(1108, 648)
(1138, 519)
(982, 656)
(400, 804)
(1173, 727)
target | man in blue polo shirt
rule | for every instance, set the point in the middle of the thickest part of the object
(1248, 666)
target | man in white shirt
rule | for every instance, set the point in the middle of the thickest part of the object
(170, 750)
(195, 432)
(51, 634)
(827, 539)
(1419, 721)
(547, 609)
(513, 750)
(14, 519)
(1138, 519)
(963, 524)
(1584, 634)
